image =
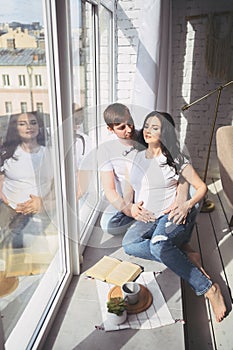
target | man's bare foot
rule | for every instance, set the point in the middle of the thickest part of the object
(195, 258)
(217, 302)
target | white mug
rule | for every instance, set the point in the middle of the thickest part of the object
(131, 292)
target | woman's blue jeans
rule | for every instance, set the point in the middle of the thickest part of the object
(168, 238)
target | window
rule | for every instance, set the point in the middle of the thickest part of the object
(10, 43)
(38, 264)
(23, 107)
(6, 80)
(39, 107)
(105, 67)
(84, 106)
(22, 81)
(69, 115)
(92, 87)
(38, 80)
(8, 107)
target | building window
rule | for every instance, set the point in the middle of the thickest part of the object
(10, 43)
(22, 80)
(38, 80)
(39, 107)
(6, 80)
(23, 107)
(8, 107)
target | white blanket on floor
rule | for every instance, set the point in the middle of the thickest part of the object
(157, 315)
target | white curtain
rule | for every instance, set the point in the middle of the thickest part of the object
(152, 85)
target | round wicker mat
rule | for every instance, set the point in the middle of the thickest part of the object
(145, 299)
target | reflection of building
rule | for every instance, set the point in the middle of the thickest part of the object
(23, 74)
(16, 35)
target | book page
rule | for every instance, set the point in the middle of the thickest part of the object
(124, 272)
(103, 267)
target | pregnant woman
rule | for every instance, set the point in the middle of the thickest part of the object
(153, 179)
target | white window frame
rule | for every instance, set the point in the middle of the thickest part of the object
(22, 80)
(28, 332)
(23, 107)
(38, 80)
(39, 107)
(6, 79)
(8, 107)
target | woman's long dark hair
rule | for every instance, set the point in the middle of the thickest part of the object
(12, 139)
(169, 143)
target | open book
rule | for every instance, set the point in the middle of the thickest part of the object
(114, 271)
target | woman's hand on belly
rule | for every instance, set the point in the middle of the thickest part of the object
(178, 212)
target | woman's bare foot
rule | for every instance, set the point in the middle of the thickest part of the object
(195, 258)
(217, 302)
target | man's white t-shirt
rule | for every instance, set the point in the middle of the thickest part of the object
(113, 155)
(154, 182)
(27, 173)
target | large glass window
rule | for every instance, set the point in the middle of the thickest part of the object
(106, 42)
(92, 86)
(39, 161)
(32, 233)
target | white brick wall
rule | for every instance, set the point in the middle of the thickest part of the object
(126, 48)
(190, 78)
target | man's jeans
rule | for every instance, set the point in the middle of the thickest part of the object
(161, 241)
(115, 222)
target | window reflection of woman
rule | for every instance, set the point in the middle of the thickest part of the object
(25, 177)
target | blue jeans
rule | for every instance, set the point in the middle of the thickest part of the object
(168, 238)
(115, 222)
(12, 225)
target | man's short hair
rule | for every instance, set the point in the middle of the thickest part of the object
(116, 113)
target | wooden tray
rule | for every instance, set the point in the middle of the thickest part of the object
(145, 299)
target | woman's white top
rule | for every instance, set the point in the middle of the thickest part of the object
(28, 173)
(154, 182)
